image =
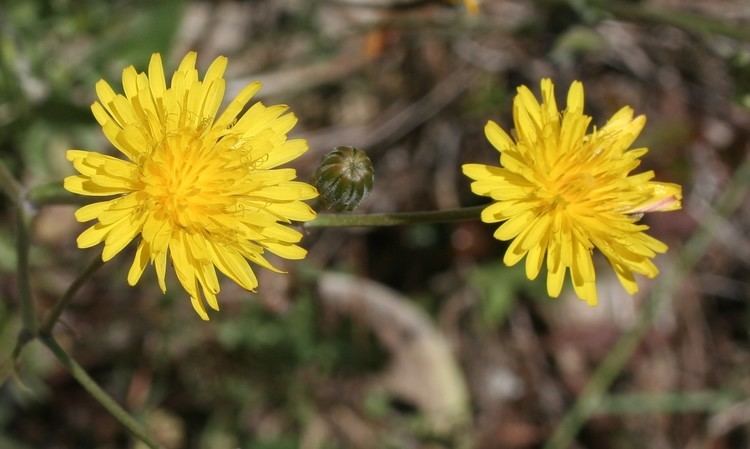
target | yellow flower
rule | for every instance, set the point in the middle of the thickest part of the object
(561, 191)
(472, 6)
(203, 191)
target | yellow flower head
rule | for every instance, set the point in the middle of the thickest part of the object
(561, 191)
(203, 191)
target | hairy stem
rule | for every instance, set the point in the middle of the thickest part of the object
(54, 193)
(9, 185)
(14, 191)
(28, 314)
(88, 384)
(63, 302)
(691, 22)
(396, 218)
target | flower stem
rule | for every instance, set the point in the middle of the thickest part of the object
(54, 193)
(606, 373)
(14, 191)
(9, 185)
(22, 267)
(63, 302)
(396, 218)
(98, 393)
(694, 23)
(639, 12)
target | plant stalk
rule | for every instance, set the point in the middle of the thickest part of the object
(9, 185)
(62, 303)
(90, 385)
(28, 314)
(396, 218)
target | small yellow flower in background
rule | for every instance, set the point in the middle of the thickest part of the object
(201, 191)
(561, 191)
(472, 6)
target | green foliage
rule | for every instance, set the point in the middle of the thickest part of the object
(740, 70)
(499, 287)
(297, 339)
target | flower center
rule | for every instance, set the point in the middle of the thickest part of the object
(569, 188)
(180, 180)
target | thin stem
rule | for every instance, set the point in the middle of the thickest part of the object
(677, 402)
(694, 23)
(14, 191)
(396, 219)
(54, 193)
(28, 314)
(638, 12)
(63, 302)
(98, 393)
(9, 185)
(591, 396)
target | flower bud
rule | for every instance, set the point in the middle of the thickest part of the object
(344, 178)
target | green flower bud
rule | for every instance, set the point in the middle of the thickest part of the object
(344, 178)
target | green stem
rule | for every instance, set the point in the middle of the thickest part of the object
(28, 314)
(605, 374)
(9, 185)
(63, 302)
(680, 402)
(396, 218)
(14, 191)
(694, 23)
(54, 193)
(638, 12)
(98, 393)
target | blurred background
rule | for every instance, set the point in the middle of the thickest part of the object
(408, 337)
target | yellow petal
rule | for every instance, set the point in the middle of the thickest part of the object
(582, 274)
(233, 266)
(286, 251)
(534, 261)
(515, 252)
(84, 186)
(530, 105)
(498, 211)
(575, 97)
(106, 96)
(555, 280)
(183, 265)
(236, 105)
(141, 259)
(120, 236)
(216, 70)
(282, 233)
(214, 97)
(291, 149)
(482, 171)
(92, 211)
(513, 226)
(93, 235)
(156, 78)
(160, 264)
(130, 82)
(296, 210)
(497, 137)
(199, 308)
(626, 278)
(549, 104)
